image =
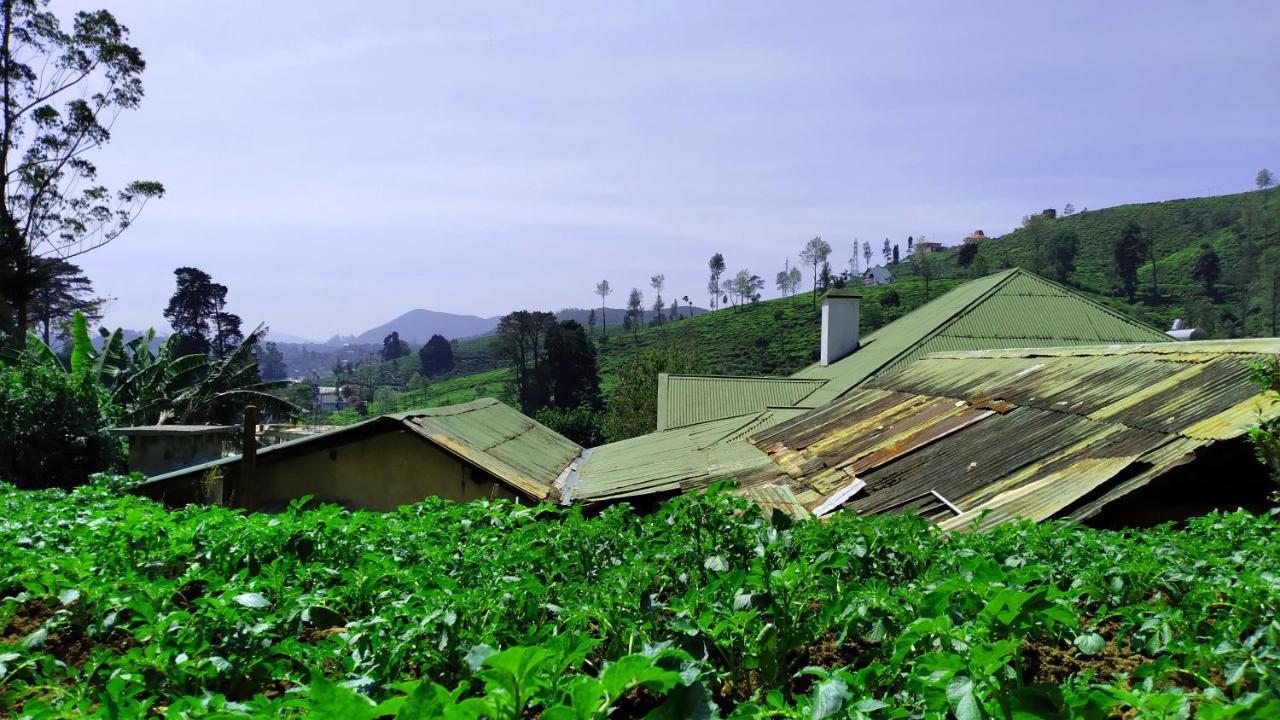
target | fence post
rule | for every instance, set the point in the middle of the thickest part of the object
(249, 449)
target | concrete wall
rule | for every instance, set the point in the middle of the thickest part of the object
(380, 472)
(162, 453)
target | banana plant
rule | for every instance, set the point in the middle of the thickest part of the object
(161, 387)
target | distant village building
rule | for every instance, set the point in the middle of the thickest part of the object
(977, 237)
(878, 275)
(1049, 213)
(929, 246)
(328, 399)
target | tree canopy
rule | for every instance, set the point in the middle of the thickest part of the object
(61, 90)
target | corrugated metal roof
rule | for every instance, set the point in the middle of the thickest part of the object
(1010, 309)
(671, 461)
(692, 399)
(1028, 433)
(486, 433)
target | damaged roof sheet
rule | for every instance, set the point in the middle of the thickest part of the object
(1031, 433)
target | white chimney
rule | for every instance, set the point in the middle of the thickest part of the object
(840, 316)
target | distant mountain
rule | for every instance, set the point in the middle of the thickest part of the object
(280, 337)
(417, 327)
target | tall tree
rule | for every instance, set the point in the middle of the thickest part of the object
(1064, 244)
(716, 265)
(657, 282)
(569, 373)
(521, 340)
(1127, 256)
(436, 356)
(635, 309)
(632, 402)
(795, 279)
(824, 276)
(1207, 269)
(604, 291)
(62, 89)
(591, 322)
(271, 364)
(814, 254)
(968, 252)
(888, 254)
(393, 348)
(61, 291)
(896, 259)
(191, 309)
(1151, 222)
(1264, 179)
(925, 265)
(1036, 228)
(866, 253)
(910, 241)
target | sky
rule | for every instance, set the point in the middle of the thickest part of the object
(337, 167)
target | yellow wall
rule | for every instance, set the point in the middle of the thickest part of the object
(381, 472)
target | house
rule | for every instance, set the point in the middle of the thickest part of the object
(482, 449)
(977, 237)
(1013, 308)
(878, 275)
(928, 246)
(328, 398)
(1113, 435)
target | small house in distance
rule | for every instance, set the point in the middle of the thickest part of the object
(928, 246)
(977, 237)
(156, 449)
(481, 449)
(878, 275)
(328, 398)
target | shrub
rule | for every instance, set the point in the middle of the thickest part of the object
(53, 427)
(581, 424)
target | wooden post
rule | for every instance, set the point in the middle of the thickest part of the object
(249, 449)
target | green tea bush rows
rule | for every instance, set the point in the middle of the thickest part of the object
(115, 607)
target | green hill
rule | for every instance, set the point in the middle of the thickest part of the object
(776, 336)
(1236, 226)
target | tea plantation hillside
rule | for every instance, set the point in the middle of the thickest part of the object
(1231, 224)
(776, 336)
(114, 607)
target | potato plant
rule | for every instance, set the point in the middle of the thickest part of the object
(116, 607)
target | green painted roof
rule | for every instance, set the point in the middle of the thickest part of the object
(1008, 309)
(692, 399)
(671, 461)
(494, 437)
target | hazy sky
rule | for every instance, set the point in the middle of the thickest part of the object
(335, 168)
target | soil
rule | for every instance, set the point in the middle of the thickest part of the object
(315, 635)
(1044, 663)
(68, 644)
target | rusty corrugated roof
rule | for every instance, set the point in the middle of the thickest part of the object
(1009, 309)
(1032, 433)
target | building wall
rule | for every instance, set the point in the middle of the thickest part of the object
(381, 472)
(162, 453)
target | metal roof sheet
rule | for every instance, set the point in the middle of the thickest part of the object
(1010, 309)
(1028, 433)
(670, 461)
(692, 399)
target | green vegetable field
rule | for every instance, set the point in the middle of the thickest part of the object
(115, 607)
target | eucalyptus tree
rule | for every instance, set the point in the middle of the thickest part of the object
(604, 291)
(815, 253)
(61, 89)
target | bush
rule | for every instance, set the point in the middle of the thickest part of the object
(54, 427)
(581, 424)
